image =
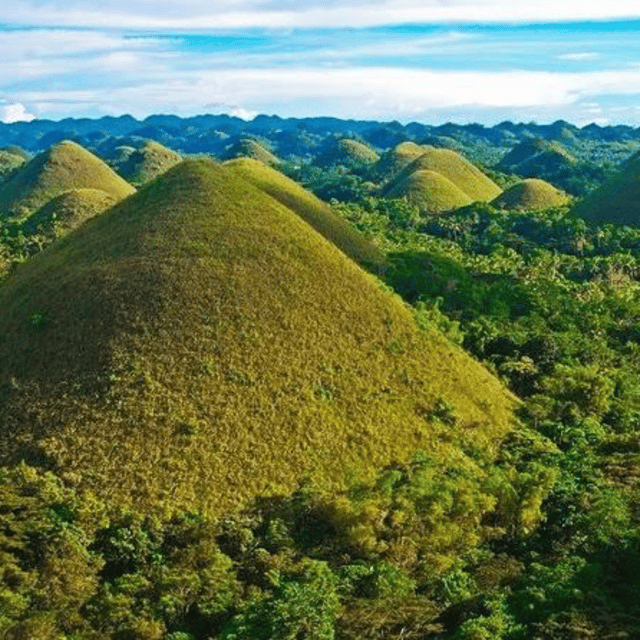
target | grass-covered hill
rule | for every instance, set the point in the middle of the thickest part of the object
(349, 153)
(148, 162)
(617, 200)
(68, 211)
(538, 156)
(430, 191)
(248, 148)
(310, 208)
(531, 194)
(199, 344)
(66, 166)
(11, 159)
(456, 168)
(396, 159)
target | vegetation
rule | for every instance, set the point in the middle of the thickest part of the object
(248, 148)
(532, 193)
(143, 165)
(349, 153)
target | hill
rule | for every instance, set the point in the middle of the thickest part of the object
(200, 344)
(349, 153)
(147, 163)
(10, 160)
(457, 169)
(430, 191)
(310, 208)
(396, 159)
(248, 148)
(68, 211)
(531, 194)
(617, 200)
(64, 167)
(535, 157)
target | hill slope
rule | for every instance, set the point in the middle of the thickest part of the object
(396, 159)
(617, 200)
(9, 161)
(347, 152)
(200, 343)
(430, 191)
(148, 162)
(531, 194)
(248, 148)
(310, 208)
(64, 167)
(457, 169)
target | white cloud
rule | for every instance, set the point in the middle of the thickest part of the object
(579, 56)
(234, 14)
(10, 113)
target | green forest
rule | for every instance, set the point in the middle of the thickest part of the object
(339, 387)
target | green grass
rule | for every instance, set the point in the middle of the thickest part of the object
(311, 209)
(531, 194)
(617, 200)
(145, 164)
(9, 161)
(347, 152)
(247, 148)
(457, 169)
(68, 211)
(537, 154)
(64, 167)
(199, 344)
(392, 162)
(431, 192)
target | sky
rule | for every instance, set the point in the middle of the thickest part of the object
(428, 61)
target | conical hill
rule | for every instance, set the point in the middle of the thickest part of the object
(64, 167)
(430, 191)
(617, 200)
(456, 168)
(531, 194)
(148, 162)
(248, 148)
(347, 152)
(10, 160)
(536, 156)
(68, 211)
(396, 159)
(200, 344)
(310, 208)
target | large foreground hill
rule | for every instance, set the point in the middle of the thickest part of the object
(201, 344)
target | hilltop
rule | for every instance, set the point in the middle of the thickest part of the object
(455, 168)
(142, 165)
(537, 156)
(531, 194)
(248, 148)
(430, 191)
(617, 200)
(349, 153)
(199, 344)
(10, 159)
(64, 167)
(396, 159)
(310, 208)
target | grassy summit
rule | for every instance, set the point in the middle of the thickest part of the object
(248, 148)
(68, 211)
(531, 194)
(147, 163)
(430, 192)
(393, 161)
(536, 157)
(457, 169)
(64, 167)
(617, 200)
(199, 343)
(347, 152)
(310, 208)
(10, 160)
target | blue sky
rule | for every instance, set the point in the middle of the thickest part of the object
(431, 61)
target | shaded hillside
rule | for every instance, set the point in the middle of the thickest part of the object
(531, 194)
(64, 167)
(248, 148)
(311, 209)
(148, 162)
(617, 200)
(457, 169)
(10, 160)
(200, 344)
(536, 157)
(430, 191)
(349, 153)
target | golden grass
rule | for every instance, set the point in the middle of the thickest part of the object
(617, 200)
(199, 344)
(531, 194)
(347, 152)
(457, 169)
(247, 148)
(68, 211)
(64, 167)
(430, 191)
(396, 159)
(145, 164)
(311, 209)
